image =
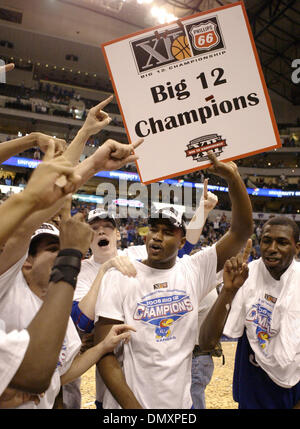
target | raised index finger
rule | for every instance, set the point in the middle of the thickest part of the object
(247, 250)
(103, 103)
(137, 144)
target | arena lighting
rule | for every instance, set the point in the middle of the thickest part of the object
(134, 177)
(162, 15)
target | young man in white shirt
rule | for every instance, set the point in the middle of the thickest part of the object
(161, 303)
(105, 255)
(265, 317)
(29, 283)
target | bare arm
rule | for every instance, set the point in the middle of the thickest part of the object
(111, 372)
(34, 196)
(241, 222)
(121, 263)
(234, 276)
(48, 328)
(110, 156)
(207, 202)
(96, 120)
(13, 147)
(84, 361)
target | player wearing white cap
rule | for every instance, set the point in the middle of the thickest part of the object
(29, 283)
(161, 303)
(105, 255)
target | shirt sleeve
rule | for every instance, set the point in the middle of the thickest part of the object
(81, 321)
(13, 347)
(186, 250)
(110, 299)
(203, 267)
(83, 285)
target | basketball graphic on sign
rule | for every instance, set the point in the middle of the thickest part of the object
(180, 48)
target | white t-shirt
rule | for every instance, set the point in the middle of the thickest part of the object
(88, 272)
(17, 308)
(89, 269)
(13, 347)
(162, 305)
(270, 311)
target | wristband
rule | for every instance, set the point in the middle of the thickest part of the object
(66, 267)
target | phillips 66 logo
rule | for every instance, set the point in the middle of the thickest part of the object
(204, 36)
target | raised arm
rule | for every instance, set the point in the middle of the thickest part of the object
(41, 192)
(122, 264)
(96, 120)
(47, 329)
(110, 369)
(15, 146)
(234, 275)
(110, 156)
(208, 202)
(241, 226)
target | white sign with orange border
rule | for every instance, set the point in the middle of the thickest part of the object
(189, 87)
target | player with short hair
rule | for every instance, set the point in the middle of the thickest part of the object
(264, 316)
(161, 303)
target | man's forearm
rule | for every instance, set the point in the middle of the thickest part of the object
(82, 363)
(47, 331)
(18, 243)
(76, 147)
(213, 325)
(241, 217)
(241, 222)
(86, 169)
(13, 147)
(114, 378)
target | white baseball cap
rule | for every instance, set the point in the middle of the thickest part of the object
(101, 214)
(46, 228)
(175, 217)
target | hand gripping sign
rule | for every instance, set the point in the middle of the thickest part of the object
(189, 87)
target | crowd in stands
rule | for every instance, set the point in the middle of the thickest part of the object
(53, 100)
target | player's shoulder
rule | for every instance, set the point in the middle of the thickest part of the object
(90, 264)
(199, 254)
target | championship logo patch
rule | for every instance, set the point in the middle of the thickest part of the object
(162, 312)
(198, 147)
